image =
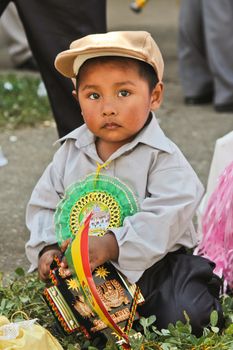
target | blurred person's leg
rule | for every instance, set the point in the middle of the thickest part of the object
(50, 27)
(18, 47)
(193, 66)
(218, 26)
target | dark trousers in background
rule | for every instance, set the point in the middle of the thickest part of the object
(181, 282)
(205, 49)
(51, 26)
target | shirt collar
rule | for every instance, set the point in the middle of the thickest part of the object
(151, 135)
(82, 136)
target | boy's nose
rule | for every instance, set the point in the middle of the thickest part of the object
(108, 109)
(108, 113)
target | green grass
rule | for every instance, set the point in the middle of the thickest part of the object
(20, 104)
(23, 292)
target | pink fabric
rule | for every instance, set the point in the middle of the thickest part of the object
(217, 226)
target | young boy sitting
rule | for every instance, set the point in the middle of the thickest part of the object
(118, 85)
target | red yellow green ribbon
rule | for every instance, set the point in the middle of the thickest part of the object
(80, 257)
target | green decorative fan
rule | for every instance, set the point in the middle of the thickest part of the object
(108, 198)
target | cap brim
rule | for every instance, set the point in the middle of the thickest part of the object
(64, 61)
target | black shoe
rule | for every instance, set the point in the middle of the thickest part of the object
(198, 100)
(30, 64)
(224, 108)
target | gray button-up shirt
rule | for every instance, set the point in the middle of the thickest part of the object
(166, 187)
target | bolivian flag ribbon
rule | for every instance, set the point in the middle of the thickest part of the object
(80, 260)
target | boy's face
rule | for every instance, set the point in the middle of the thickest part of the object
(115, 101)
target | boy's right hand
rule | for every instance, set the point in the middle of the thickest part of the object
(45, 261)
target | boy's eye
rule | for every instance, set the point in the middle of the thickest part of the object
(123, 93)
(94, 96)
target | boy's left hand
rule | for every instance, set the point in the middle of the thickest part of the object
(102, 249)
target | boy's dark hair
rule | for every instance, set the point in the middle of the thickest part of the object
(145, 70)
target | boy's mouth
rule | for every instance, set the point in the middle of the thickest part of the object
(111, 126)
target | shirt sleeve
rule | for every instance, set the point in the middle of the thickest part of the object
(40, 211)
(163, 223)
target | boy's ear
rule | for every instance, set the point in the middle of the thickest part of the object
(157, 96)
(74, 93)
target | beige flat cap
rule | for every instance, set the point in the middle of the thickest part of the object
(133, 44)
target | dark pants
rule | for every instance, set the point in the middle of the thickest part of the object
(51, 25)
(181, 282)
(205, 49)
